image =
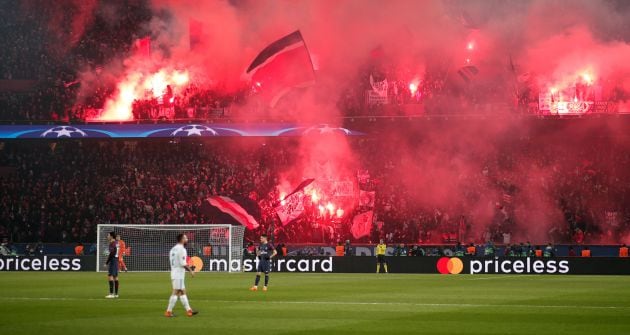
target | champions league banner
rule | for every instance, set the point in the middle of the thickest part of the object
(167, 130)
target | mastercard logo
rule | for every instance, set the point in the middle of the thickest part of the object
(196, 262)
(452, 265)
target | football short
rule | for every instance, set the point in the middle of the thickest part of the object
(380, 259)
(178, 284)
(264, 266)
(112, 268)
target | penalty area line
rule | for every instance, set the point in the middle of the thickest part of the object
(349, 303)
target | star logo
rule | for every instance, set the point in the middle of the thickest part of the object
(326, 129)
(194, 130)
(63, 131)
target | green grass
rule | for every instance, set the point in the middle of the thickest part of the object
(73, 303)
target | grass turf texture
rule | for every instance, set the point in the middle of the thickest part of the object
(73, 303)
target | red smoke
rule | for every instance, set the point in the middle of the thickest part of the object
(521, 48)
(139, 85)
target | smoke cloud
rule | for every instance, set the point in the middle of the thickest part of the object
(520, 48)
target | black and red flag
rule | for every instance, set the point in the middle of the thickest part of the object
(242, 210)
(282, 65)
(468, 72)
(299, 188)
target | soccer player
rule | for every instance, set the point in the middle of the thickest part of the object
(265, 253)
(179, 267)
(381, 248)
(112, 265)
(122, 247)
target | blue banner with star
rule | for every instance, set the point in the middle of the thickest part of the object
(167, 130)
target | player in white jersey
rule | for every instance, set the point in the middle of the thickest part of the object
(177, 257)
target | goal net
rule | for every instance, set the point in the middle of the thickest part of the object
(209, 248)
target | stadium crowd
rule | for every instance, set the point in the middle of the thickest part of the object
(56, 58)
(45, 51)
(588, 187)
(59, 192)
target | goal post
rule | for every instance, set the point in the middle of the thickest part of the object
(213, 248)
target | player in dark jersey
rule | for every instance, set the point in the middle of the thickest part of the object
(265, 253)
(112, 265)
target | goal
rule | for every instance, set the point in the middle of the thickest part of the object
(210, 247)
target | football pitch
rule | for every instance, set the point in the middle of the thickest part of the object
(74, 303)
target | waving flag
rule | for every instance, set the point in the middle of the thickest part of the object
(299, 188)
(233, 208)
(468, 73)
(366, 198)
(282, 65)
(362, 224)
(292, 205)
(142, 47)
(291, 208)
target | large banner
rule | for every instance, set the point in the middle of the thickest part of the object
(531, 265)
(168, 130)
(452, 265)
(360, 264)
(48, 263)
(343, 188)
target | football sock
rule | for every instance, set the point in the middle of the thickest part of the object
(115, 286)
(266, 280)
(184, 300)
(378, 268)
(257, 280)
(171, 303)
(386, 268)
(111, 287)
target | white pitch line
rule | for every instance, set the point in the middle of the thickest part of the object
(357, 303)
